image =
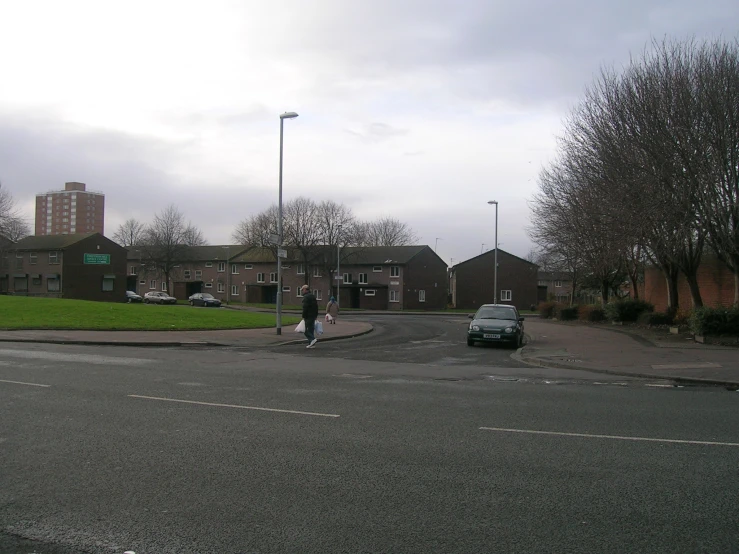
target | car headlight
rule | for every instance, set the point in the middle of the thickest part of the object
(509, 329)
(475, 327)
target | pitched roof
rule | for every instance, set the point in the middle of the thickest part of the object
(209, 253)
(491, 253)
(50, 242)
(351, 255)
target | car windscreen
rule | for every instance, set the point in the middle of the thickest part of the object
(495, 313)
(206, 295)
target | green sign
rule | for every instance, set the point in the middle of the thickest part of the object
(97, 259)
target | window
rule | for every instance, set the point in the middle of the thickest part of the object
(260, 277)
(362, 278)
(557, 283)
(132, 271)
(142, 282)
(187, 274)
(20, 284)
(285, 289)
(298, 292)
(36, 280)
(234, 290)
(153, 284)
(394, 296)
(248, 266)
(164, 286)
(221, 266)
(370, 292)
(108, 283)
(234, 269)
(198, 274)
(208, 285)
(318, 294)
(301, 269)
(505, 295)
(394, 271)
(316, 272)
(33, 258)
(52, 284)
(221, 287)
(19, 260)
(53, 257)
(422, 296)
(347, 278)
(273, 277)
(208, 264)
(377, 269)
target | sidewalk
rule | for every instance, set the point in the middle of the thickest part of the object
(230, 337)
(606, 350)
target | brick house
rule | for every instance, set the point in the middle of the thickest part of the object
(82, 266)
(382, 278)
(472, 281)
(555, 285)
(715, 282)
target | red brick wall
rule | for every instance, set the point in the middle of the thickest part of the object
(715, 280)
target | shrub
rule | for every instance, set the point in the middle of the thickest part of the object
(546, 309)
(715, 321)
(681, 317)
(567, 313)
(627, 310)
(591, 313)
(656, 318)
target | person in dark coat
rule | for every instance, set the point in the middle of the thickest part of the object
(310, 314)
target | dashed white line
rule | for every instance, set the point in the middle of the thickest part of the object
(22, 383)
(217, 405)
(612, 437)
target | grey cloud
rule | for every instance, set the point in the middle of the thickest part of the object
(377, 132)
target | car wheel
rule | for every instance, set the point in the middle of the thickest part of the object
(192, 303)
(128, 300)
(470, 342)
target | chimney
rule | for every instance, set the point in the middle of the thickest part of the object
(74, 186)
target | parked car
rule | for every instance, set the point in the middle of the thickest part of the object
(496, 323)
(132, 297)
(204, 299)
(159, 298)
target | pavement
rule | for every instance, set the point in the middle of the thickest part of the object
(619, 351)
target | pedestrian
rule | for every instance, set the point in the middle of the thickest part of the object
(310, 313)
(332, 309)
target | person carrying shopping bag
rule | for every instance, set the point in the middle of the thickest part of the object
(332, 311)
(310, 314)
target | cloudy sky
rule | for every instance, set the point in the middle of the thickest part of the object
(422, 110)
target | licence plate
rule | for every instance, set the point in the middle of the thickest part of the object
(488, 336)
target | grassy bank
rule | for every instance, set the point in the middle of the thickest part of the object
(19, 312)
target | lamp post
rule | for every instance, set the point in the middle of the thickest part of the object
(228, 274)
(338, 266)
(283, 117)
(495, 269)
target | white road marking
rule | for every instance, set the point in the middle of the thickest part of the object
(83, 358)
(22, 383)
(613, 437)
(233, 406)
(689, 365)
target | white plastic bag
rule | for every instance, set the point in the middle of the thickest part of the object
(329, 318)
(301, 327)
(319, 327)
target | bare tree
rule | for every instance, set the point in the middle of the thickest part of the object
(166, 242)
(387, 231)
(130, 233)
(12, 226)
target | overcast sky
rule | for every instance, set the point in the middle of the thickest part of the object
(422, 110)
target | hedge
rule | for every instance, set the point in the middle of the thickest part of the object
(592, 313)
(627, 310)
(715, 321)
(656, 318)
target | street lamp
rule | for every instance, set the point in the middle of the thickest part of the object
(338, 266)
(283, 117)
(495, 269)
(228, 273)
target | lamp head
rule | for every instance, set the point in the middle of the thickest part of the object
(288, 115)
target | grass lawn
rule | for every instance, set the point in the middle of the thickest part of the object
(20, 312)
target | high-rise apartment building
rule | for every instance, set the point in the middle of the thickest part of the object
(69, 211)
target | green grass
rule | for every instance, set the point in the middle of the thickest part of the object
(20, 312)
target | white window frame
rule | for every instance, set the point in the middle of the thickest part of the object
(234, 290)
(164, 286)
(422, 296)
(208, 264)
(370, 292)
(317, 272)
(558, 284)
(248, 266)
(153, 284)
(221, 287)
(260, 277)
(187, 273)
(298, 290)
(394, 296)
(318, 294)
(363, 279)
(234, 269)
(53, 257)
(347, 279)
(53, 285)
(208, 285)
(301, 269)
(286, 289)
(142, 282)
(273, 277)
(377, 269)
(198, 274)
(133, 270)
(108, 285)
(32, 258)
(394, 271)
(506, 296)
(221, 267)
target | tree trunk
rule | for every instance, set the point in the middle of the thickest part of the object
(695, 293)
(671, 276)
(634, 285)
(604, 288)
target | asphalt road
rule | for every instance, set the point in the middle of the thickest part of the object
(340, 449)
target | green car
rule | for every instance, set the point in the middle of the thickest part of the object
(496, 323)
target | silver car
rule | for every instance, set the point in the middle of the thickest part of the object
(159, 298)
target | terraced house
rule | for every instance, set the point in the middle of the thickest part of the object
(382, 278)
